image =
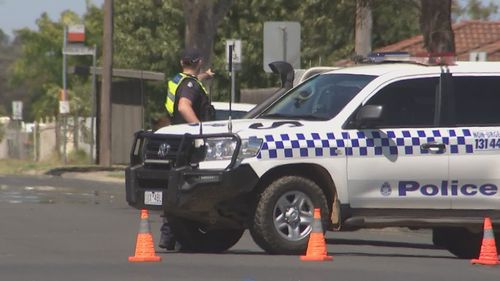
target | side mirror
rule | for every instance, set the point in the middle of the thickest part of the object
(368, 114)
(286, 72)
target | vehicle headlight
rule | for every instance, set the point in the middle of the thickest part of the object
(224, 148)
(250, 147)
(219, 148)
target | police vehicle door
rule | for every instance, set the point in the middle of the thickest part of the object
(401, 160)
(475, 165)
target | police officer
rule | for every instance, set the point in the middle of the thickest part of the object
(187, 102)
(187, 99)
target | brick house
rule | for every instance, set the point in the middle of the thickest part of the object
(474, 40)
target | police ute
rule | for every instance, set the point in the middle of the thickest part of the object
(395, 141)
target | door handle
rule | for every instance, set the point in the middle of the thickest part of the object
(433, 147)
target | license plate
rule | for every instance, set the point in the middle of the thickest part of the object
(153, 198)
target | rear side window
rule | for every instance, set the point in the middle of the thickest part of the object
(407, 103)
(477, 100)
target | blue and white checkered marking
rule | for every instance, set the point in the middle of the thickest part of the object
(363, 143)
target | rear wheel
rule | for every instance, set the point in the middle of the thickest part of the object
(460, 241)
(194, 237)
(284, 215)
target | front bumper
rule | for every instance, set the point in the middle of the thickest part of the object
(190, 192)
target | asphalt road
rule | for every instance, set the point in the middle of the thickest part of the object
(55, 228)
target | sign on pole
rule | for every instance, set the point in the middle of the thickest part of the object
(76, 33)
(78, 50)
(237, 56)
(17, 110)
(63, 107)
(281, 43)
(63, 102)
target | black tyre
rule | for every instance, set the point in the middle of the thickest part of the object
(193, 236)
(458, 240)
(284, 215)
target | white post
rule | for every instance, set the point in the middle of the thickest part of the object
(92, 116)
(64, 94)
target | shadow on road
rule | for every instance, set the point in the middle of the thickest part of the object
(392, 255)
(357, 251)
(343, 241)
(390, 244)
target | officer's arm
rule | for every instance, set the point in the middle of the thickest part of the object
(185, 108)
(206, 75)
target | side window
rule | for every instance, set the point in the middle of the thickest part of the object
(477, 100)
(407, 103)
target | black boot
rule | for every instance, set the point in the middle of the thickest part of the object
(167, 239)
(167, 242)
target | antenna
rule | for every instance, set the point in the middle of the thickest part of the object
(231, 74)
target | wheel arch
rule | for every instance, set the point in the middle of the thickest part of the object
(317, 173)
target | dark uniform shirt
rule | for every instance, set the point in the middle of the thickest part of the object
(191, 89)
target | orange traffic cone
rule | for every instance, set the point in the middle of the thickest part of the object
(488, 254)
(316, 248)
(144, 248)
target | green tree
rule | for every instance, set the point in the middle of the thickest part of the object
(5, 60)
(38, 66)
(475, 10)
(148, 35)
(327, 32)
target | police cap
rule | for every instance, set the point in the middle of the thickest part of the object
(190, 56)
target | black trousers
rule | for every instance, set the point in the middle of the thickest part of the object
(167, 236)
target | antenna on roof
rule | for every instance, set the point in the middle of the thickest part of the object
(231, 74)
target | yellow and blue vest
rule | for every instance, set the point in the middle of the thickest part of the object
(173, 85)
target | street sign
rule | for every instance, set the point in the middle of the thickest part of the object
(237, 56)
(64, 107)
(78, 50)
(281, 43)
(76, 33)
(17, 110)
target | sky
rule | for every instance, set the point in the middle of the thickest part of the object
(17, 14)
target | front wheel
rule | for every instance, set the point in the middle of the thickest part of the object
(284, 215)
(194, 237)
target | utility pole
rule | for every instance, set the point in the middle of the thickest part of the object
(105, 109)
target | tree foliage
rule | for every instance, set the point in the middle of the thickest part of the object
(149, 35)
(475, 10)
(327, 31)
(7, 56)
(38, 67)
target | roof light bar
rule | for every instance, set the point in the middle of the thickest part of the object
(420, 58)
(388, 56)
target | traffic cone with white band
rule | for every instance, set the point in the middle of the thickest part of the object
(488, 254)
(144, 248)
(316, 247)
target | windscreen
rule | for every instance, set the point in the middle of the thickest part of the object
(319, 98)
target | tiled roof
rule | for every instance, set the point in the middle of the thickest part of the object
(469, 36)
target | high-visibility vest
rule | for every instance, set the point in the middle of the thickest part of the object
(173, 84)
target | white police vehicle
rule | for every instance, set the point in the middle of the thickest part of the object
(381, 145)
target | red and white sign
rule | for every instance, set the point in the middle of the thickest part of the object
(76, 33)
